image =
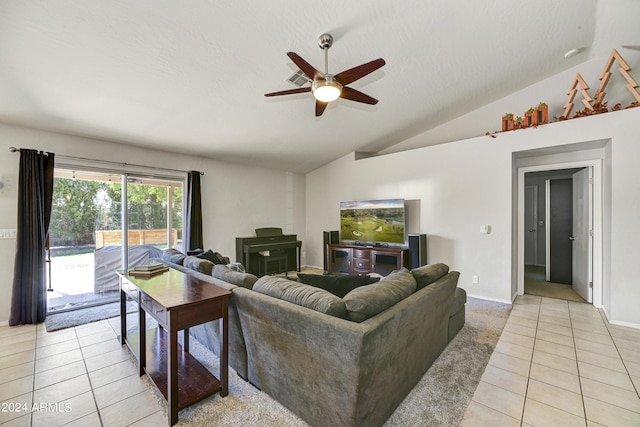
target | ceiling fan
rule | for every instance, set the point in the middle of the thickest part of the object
(327, 87)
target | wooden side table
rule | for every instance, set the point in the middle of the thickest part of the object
(177, 301)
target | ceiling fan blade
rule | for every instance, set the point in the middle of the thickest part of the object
(357, 96)
(320, 106)
(289, 92)
(355, 73)
(306, 68)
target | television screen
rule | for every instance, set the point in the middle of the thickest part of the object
(373, 221)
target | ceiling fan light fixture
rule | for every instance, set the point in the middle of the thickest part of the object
(326, 90)
(326, 87)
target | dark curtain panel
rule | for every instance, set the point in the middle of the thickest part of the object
(35, 191)
(193, 235)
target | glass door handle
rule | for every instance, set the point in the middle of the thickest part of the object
(572, 238)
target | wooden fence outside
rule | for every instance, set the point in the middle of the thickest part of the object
(136, 237)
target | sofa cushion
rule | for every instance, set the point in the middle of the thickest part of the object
(197, 264)
(222, 272)
(367, 301)
(427, 274)
(301, 294)
(173, 255)
(337, 284)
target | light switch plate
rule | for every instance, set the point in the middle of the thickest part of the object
(8, 234)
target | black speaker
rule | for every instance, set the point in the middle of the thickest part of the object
(417, 250)
(329, 237)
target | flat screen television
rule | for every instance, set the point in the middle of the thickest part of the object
(373, 222)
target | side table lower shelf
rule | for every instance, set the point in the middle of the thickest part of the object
(200, 384)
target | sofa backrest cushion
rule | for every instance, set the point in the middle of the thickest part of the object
(301, 294)
(339, 285)
(197, 264)
(222, 272)
(427, 274)
(367, 301)
(173, 255)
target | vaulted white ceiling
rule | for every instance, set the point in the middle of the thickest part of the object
(190, 76)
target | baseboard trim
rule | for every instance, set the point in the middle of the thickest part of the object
(489, 299)
(626, 324)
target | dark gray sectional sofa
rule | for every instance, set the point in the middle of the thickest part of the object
(336, 361)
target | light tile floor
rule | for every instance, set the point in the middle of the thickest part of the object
(559, 363)
(74, 377)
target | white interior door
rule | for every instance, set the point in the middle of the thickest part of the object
(582, 233)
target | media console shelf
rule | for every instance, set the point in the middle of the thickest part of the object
(353, 259)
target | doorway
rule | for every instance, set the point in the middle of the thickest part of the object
(559, 231)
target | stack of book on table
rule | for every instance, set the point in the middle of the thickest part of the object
(148, 270)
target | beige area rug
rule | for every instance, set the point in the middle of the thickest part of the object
(439, 399)
(535, 284)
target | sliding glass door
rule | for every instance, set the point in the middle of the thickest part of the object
(87, 232)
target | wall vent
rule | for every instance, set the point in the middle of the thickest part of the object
(298, 79)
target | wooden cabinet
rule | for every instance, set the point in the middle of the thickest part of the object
(349, 259)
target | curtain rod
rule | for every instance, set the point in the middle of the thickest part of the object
(14, 149)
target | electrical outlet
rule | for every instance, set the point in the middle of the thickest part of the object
(475, 280)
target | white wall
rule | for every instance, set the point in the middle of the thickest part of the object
(235, 199)
(467, 183)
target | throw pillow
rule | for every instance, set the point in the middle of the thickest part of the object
(214, 257)
(222, 272)
(173, 255)
(339, 285)
(367, 301)
(303, 295)
(427, 274)
(202, 265)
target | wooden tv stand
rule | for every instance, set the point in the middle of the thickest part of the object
(354, 259)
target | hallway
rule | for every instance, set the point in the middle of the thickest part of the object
(535, 284)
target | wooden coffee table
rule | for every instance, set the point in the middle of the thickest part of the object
(177, 301)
